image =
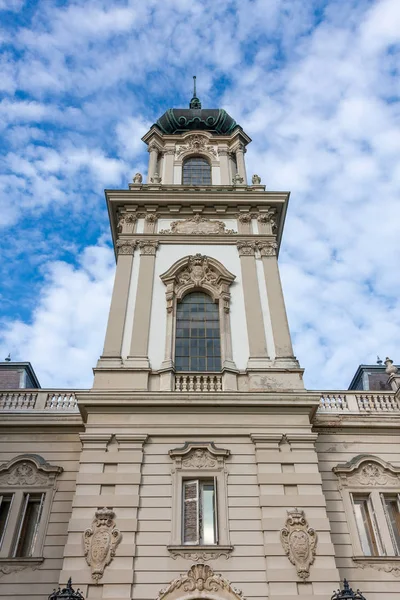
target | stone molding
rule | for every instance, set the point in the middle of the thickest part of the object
(199, 553)
(267, 248)
(14, 565)
(151, 217)
(126, 246)
(100, 542)
(299, 542)
(199, 455)
(201, 579)
(197, 271)
(246, 248)
(366, 470)
(28, 470)
(379, 563)
(148, 247)
(199, 226)
(195, 143)
(126, 222)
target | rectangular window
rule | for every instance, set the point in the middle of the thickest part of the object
(199, 512)
(5, 506)
(391, 505)
(32, 507)
(366, 525)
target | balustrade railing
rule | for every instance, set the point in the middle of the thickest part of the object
(199, 382)
(359, 402)
(47, 400)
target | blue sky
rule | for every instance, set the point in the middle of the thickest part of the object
(316, 86)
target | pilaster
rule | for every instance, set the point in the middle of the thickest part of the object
(289, 480)
(258, 358)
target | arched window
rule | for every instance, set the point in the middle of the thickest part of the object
(197, 342)
(196, 171)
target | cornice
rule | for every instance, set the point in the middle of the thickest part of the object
(37, 418)
(356, 421)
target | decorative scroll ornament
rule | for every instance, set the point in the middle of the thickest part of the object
(100, 542)
(246, 248)
(200, 555)
(347, 593)
(267, 248)
(148, 247)
(28, 469)
(200, 578)
(138, 178)
(385, 567)
(196, 143)
(367, 471)
(126, 246)
(199, 455)
(199, 226)
(299, 542)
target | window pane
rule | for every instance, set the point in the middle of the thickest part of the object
(365, 527)
(196, 171)
(197, 346)
(5, 505)
(190, 512)
(28, 525)
(391, 505)
(207, 513)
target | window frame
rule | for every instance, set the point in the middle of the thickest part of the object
(200, 482)
(41, 480)
(187, 468)
(193, 157)
(369, 476)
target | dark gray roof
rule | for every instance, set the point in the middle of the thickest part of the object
(179, 120)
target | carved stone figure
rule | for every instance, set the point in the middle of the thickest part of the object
(299, 542)
(256, 180)
(237, 179)
(196, 143)
(156, 178)
(201, 578)
(138, 178)
(100, 542)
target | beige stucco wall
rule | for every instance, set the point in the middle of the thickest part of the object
(59, 446)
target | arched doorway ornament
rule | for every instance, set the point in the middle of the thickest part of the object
(200, 582)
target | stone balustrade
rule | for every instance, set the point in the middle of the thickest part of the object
(46, 400)
(199, 382)
(358, 402)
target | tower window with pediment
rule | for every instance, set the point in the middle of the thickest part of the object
(198, 345)
(196, 170)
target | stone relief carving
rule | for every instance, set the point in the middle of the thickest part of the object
(151, 217)
(156, 178)
(199, 455)
(256, 180)
(200, 555)
(196, 143)
(246, 248)
(138, 178)
(148, 247)
(237, 179)
(126, 246)
(244, 217)
(367, 471)
(126, 222)
(200, 578)
(28, 469)
(299, 542)
(100, 542)
(198, 225)
(198, 271)
(267, 248)
(385, 566)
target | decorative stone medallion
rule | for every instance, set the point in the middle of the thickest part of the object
(299, 542)
(100, 542)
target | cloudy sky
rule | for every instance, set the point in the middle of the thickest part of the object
(315, 84)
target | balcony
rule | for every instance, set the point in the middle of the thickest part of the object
(198, 382)
(359, 402)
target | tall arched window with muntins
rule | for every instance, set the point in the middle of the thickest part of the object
(197, 341)
(196, 171)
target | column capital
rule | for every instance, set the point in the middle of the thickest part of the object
(244, 217)
(267, 248)
(267, 216)
(151, 217)
(246, 248)
(126, 246)
(153, 147)
(241, 148)
(126, 221)
(148, 247)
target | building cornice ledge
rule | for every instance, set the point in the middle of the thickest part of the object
(36, 418)
(356, 420)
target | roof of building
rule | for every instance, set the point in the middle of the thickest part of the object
(179, 120)
(9, 365)
(370, 377)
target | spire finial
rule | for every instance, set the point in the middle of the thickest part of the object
(195, 102)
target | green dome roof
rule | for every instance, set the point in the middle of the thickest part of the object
(179, 120)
